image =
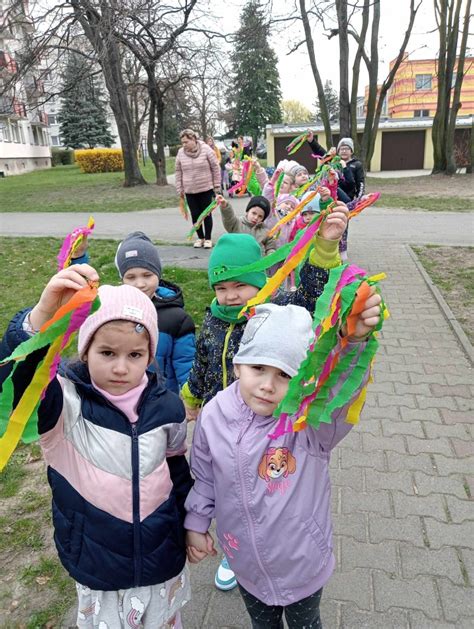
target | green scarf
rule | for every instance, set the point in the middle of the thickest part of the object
(230, 314)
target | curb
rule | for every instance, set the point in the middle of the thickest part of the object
(463, 340)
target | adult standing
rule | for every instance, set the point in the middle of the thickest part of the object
(198, 177)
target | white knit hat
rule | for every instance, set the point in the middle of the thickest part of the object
(120, 303)
(277, 336)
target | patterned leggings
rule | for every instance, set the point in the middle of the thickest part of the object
(303, 614)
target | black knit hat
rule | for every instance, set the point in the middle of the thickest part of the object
(262, 202)
(137, 251)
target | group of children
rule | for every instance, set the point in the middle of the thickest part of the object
(126, 509)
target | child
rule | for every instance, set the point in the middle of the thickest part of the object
(114, 441)
(301, 175)
(139, 265)
(270, 498)
(305, 217)
(257, 210)
(353, 183)
(222, 327)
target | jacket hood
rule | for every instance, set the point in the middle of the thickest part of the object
(168, 294)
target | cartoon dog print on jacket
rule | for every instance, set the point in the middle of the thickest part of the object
(275, 466)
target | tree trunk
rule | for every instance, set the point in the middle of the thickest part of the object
(356, 73)
(344, 105)
(456, 101)
(156, 129)
(317, 77)
(97, 30)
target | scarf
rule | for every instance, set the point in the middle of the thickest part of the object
(229, 314)
(193, 153)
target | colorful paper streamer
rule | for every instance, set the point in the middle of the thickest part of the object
(72, 242)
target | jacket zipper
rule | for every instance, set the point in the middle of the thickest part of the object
(224, 354)
(249, 517)
(137, 555)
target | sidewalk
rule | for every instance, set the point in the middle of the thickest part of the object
(403, 522)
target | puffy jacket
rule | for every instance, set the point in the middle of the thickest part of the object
(118, 488)
(353, 183)
(218, 340)
(241, 225)
(271, 498)
(197, 173)
(176, 340)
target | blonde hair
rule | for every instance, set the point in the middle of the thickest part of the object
(188, 133)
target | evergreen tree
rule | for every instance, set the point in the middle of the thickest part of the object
(82, 118)
(332, 102)
(255, 93)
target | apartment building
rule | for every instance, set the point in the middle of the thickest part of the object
(24, 135)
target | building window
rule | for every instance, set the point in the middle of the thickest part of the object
(423, 82)
(6, 132)
(55, 140)
(15, 132)
(52, 119)
(421, 113)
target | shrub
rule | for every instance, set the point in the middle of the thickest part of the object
(99, 160)
(174, 150)
(63, 157)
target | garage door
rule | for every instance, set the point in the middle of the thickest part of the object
(403, 150)
(303, 156)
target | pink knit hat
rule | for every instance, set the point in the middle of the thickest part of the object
(287, 198)
(120, 303)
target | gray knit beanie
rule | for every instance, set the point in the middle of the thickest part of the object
(346, 142)
(137, 251)
(277, 336)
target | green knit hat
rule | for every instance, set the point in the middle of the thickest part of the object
(234, 251)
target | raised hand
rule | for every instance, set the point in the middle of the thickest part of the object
(335, 224)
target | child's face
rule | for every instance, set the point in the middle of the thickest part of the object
(287, 184)
(307, 217)
(301, 178)
(143, 279)
(255, 215)
(118, 356)
(345, 152)
(262, 387)
(234, 293)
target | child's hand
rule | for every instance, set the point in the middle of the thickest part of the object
(332, 151)
(191, 413)
(198, 546)
(276, 173)
(335, 224)
(310, 136)
(368, 318)
(324, 193)
(82, 248)
(59, 290)
(221, 201)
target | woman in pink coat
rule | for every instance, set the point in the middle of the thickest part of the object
(198, 176)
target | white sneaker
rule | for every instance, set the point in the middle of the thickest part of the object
(198, 244)
(208, 244)
(225, 577)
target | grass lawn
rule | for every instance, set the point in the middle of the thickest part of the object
(66, 189)
(452, 270)
(35, 591)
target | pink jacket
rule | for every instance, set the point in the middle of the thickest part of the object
(197, 174)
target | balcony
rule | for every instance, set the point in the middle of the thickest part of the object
(12, 108)
(8, 65)
(40, 118)
(34, 87)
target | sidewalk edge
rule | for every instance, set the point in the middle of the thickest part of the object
(446, 310)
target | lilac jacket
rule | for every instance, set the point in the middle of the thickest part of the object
(271, 498)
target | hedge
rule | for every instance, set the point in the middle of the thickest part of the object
(62, 157)
(99, 160)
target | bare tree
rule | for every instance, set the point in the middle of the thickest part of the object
(450, 77)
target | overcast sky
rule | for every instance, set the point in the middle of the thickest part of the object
(295, 73)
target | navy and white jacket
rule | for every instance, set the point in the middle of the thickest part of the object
(118, 487)
(176, 340)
